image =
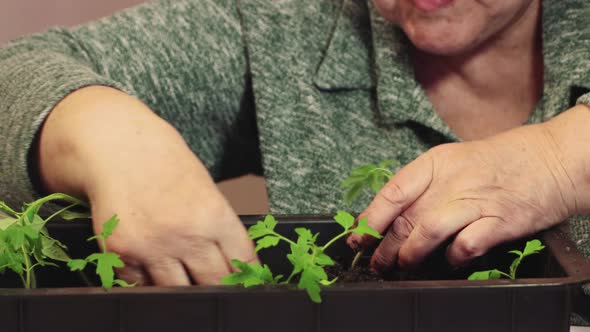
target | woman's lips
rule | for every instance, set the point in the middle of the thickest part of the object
(430, 5)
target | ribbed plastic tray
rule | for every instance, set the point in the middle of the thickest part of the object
(433, 298)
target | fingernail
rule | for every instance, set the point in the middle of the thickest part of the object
(353, 241)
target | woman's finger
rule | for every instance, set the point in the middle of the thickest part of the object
(399, 193)
(207, 267)
(385, 255)
(433, 228)
(167, 272)
(133, 273)
(479, 237)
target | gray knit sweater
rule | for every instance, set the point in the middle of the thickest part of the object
(299, 90)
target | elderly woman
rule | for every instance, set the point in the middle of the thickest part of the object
(485, 102)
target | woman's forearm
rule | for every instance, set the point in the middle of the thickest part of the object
(96, 130)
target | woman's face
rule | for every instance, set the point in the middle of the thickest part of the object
(452, 27)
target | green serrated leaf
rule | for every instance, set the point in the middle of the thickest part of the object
(77, 264)
(311, 283)
(532, 247)
(353, 180)
(15, 236)
(53, 249)
(7, 222)
(363, 228)
(388, 163)
(376, 181)
(258, 230)
(516, 252)
(267, 242)
(323, 259)
(305, 235)
(344, 219)
(363, 170)
(352, 193)
(106, 263)
(270, 222)
(109, 226)
(249, 275)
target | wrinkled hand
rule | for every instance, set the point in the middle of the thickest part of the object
(175, 226)
(482, 193)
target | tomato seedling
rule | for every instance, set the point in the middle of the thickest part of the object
(532, 247)
(307, 257)
(105, 261)
(26, 244)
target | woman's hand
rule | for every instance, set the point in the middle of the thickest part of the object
(176, 227)
(482, 192)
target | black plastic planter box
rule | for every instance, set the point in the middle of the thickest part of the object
(434, 298)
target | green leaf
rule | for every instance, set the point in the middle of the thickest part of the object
(77, 264)
(323, 259)
(249, 275)
(376, 181)
(267, 242)
(344, 219)
(299, 256)
(352, 193)
(109, 226)
(15, 236)
(262, 228)
(533, 247)
(270, 222)
(53, 249)
(388, 164)
(310, 281)
(7, 222)
(485, 275)
(363, 228)
(106, 262)
(305, 235)
(363, 170)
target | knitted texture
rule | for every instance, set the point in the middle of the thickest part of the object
(317, 86)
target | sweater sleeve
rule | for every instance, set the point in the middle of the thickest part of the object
(184, 58)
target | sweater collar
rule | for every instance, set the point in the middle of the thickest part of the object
(367, 52)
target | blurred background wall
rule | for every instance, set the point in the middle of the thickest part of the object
(20, 17)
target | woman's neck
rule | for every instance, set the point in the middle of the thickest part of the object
(489, 89)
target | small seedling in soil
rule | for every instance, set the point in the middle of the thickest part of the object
(308, 258)
(26, 244)
(532, 247)
(105, 261)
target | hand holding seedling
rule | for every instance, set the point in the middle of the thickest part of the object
(175, 226)
(482, 192)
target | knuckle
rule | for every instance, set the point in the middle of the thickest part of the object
(429, 232)
(393, 194)
(402, 227)
(467, 247)
(382, 260)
